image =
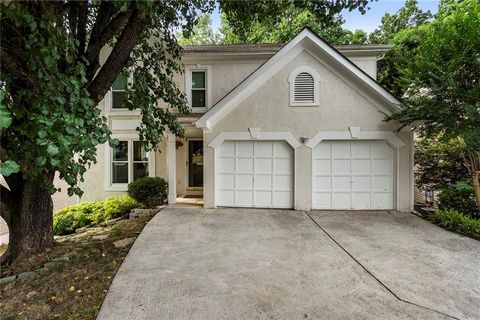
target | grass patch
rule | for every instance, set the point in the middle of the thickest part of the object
(457, 222)
(72, 289)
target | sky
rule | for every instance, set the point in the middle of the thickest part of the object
(370, 20)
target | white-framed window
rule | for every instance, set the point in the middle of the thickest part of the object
(198, 87)
(126, 162)
(304, 87)
(115, 98)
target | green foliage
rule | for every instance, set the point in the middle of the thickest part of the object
(459, 197)
(251, 21)
(442, 76)
(409, 16)
(149, 191)
(95, 213)
(202, 33)
(288, 24)
(439, 164)
(457, 222)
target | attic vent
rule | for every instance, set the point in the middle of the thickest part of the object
(304, 88)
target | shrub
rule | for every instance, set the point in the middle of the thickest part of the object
(459, 197)
(150, 192)
(95, 213)
(70, 218)
(457, 222)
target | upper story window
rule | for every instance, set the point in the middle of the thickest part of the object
(198, 87)
(304, 87)
(118, 92)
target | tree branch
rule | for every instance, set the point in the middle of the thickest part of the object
(101, 35)
(82, 26)
(119, 56)
(14, 67)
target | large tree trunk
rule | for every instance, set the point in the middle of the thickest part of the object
(476, 186)
(31, 222)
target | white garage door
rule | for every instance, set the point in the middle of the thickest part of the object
(255, 174)
(353, 175)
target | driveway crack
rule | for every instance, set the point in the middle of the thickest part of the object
(371, 274)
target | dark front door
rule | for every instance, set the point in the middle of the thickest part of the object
(195, 163)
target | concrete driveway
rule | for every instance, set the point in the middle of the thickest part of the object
(192, 263)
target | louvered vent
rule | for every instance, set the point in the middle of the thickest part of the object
(303, 91)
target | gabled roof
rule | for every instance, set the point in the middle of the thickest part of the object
(268, 69)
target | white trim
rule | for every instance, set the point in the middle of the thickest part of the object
(108, 162)
(172, 168)
(388, 136)
(208, 83)
(276, 63)
(285, 136)
(316, 86)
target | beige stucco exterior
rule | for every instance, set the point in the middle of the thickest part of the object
(343, 103)
(341, 106)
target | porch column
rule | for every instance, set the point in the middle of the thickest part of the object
(171, 165)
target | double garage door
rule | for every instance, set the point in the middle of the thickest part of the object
(346, 175)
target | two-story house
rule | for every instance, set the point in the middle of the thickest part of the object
(299, 126)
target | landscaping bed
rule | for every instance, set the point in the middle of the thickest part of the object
(71, 280)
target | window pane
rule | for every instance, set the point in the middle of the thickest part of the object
(118, 99)
(120, 152)
(120, 83)
(139, 151)
(198, 79)
(119, 172)
(140, 170)
(198, 98)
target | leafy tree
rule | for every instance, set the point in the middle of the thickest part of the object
(202, 33)
(281, 27)
(443, 76)
(439, 164)
(401, 30)
(53, 80)
(409, 16)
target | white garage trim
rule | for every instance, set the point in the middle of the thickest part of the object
(387, 136)
(285, 136)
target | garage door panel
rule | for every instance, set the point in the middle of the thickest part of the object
(263, 165)
(352, 175)
(341, 200)
(282, 149)
(382, 183)
(323, 166)
(244, 165)
(244, 181)
(282, 199)
(243, 197)
(323, 200)
(383, 167)
(244, 148)
(255, 173)
(361, 200)
(361, 183)
(322, 151)
(341, 150)
(263, 149)
(361, 166)
(263, 198)
(226, 181)
(282, 166)
(263, 182)
(341, 184)
(361, 150)
(322, 183)
(381, 200)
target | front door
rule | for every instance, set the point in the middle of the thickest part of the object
(195, 163)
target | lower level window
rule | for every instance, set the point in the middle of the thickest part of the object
(130, 161)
